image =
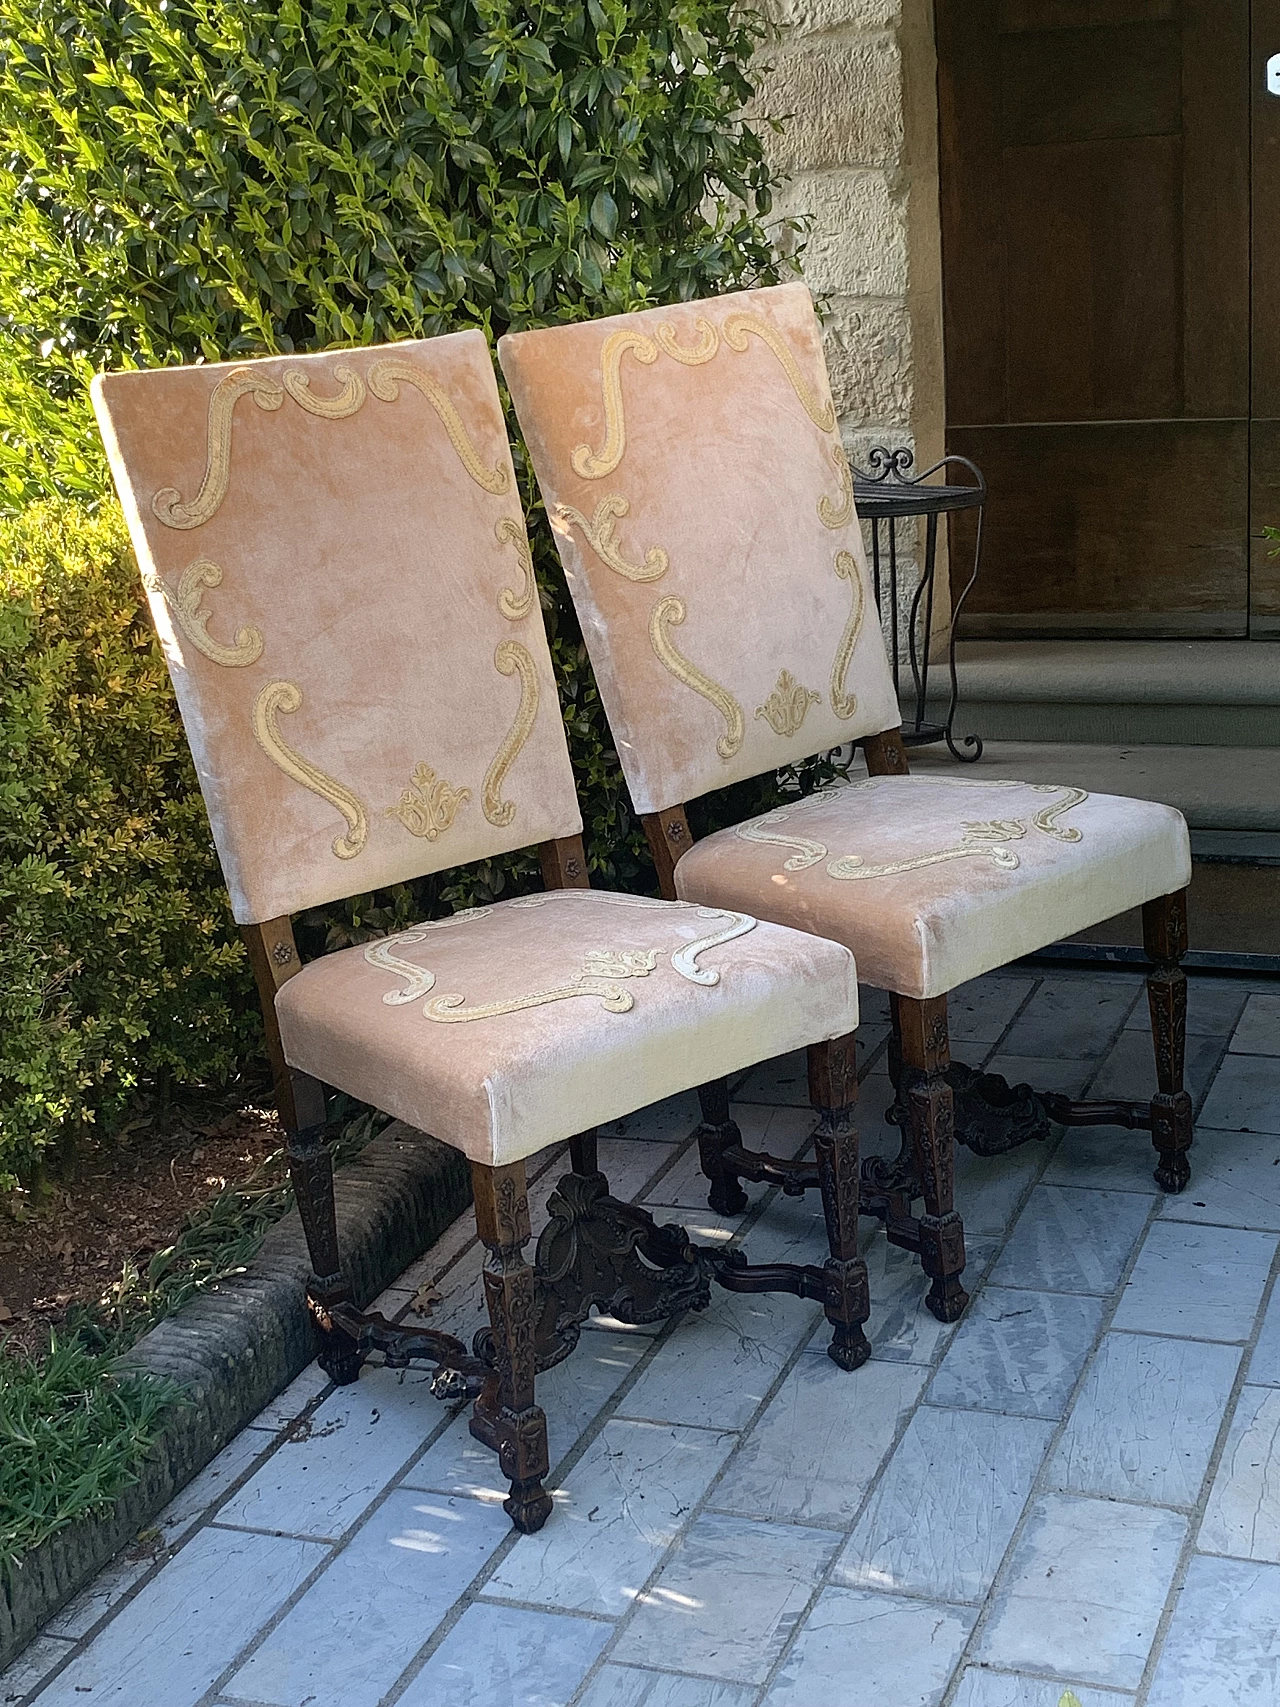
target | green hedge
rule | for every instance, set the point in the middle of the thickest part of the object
(119, 962)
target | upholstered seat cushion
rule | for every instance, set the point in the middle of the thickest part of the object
(504, 1029)
(934, 880)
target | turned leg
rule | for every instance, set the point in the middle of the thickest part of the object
(311, 1172)
(833, 1090)
(1164, 934)
(506, 1416)
(921, 1028)
(715, 1135)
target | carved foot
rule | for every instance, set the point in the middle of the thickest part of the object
(717, 1135)
(1171, 1133)
(942, 1256)
(727, 1197)
(849, 1349)
(947, 1298)
(528, 1506)
(341, 1355)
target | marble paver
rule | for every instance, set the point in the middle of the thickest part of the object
(1071, 1490)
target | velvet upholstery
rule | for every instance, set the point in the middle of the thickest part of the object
(607, 1004)
(933, 880)
(691, 466)
(334, 551)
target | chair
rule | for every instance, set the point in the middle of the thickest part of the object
(336, 562)
(692, 469)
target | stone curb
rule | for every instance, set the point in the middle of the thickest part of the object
(235, 1348)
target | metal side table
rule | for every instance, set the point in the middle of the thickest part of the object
(884, 493)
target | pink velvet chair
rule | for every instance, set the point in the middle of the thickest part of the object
(337, 565)
(692, 469)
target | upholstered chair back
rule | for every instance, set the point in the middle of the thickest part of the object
(702, 502)
(335, 556)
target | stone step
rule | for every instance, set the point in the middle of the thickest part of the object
(1207, 693)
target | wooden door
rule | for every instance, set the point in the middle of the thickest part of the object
(1095, 217)
(1264, 437)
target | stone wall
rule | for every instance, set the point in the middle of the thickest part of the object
(854, 84)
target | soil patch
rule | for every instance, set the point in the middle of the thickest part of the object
(127, 1198)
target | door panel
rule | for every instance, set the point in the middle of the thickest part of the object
(1095, 209)
(1264, 449)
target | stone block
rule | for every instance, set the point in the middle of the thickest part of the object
(838, 102)
(856, 242)
(869, 359)
(806, 17)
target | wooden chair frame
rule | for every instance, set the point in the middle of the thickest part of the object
(623, 1261)
(940, 1103)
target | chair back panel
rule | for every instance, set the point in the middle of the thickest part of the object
(692, 469)
(335, 557)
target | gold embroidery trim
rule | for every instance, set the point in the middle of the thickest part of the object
(612, 998)
(516, 606)
(838, 515)
(706, 347)
(276, 697)
(843, 704)
(807, 852)
(1045, 819)
(193, 620)
(168, 505)
(510, 659)
(347, 402)
(385, 378)
(739, 328)
(788, 705)
(429, 805)
(594, 465)
(601, 537)
(684, 958)
(421, 980)
(852, 864)
(670, 613)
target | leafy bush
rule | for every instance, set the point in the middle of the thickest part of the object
(119, 962)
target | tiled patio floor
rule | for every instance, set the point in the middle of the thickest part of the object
(1078, 1487)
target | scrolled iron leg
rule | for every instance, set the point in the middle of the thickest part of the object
(833, 1090)
(311, 1173)
(921, 1027)
(1164, 934)
(717, 1132)
(506, 1416)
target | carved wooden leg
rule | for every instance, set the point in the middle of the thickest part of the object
(1164, 934)
(715, 1135)
(505, 1415)
(833, 1090)
(921, 1027)
(311, 1171)
(584, 1158)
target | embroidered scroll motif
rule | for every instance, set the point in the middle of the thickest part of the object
(838, 515)
(429, 805)
(421, 980)
(594, 465)
(619, 962)
(350, 399)
(1045, 819)
(516, 606)
(843, 704)
(168, 505)
(613, 999)
(385, 378)
(738, 329)
(684, 959)
(600, 534)
(807, 852)
(979, 841)
(670, 613)
(706, 347)
(287, 697)
(510, 659)
(788, 705)
(187, 607)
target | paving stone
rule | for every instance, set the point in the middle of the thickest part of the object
(288, 1406)
(859, 1649)
(504, 1656)
(1074, 1018)
(982, 1688)
(181, 1632)
(617, 1512)
(783, 1131)
(1128, 1071)
(1235, 1181)
(324, 1475)
(729, 1598)
(668, 1122)
(981, 1012)
(813, 1454)
(1258, 1032)
(32, 1666)
(901, 1329)
(947, 1505)
(572, 1394)
(106, 1590)
(1264, 1366)
(1107, 1158)
(1245, 1096)
(1242, 1517)
(1223, 1644)
(1213, 1007)
(989, 1189)
(1197, 1282)
(1067, 1074)
(1146, 1421)
(1068, 1240)
(1018, 1352)
(625, 1686)
(1085, 1590)
(784, 1080)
